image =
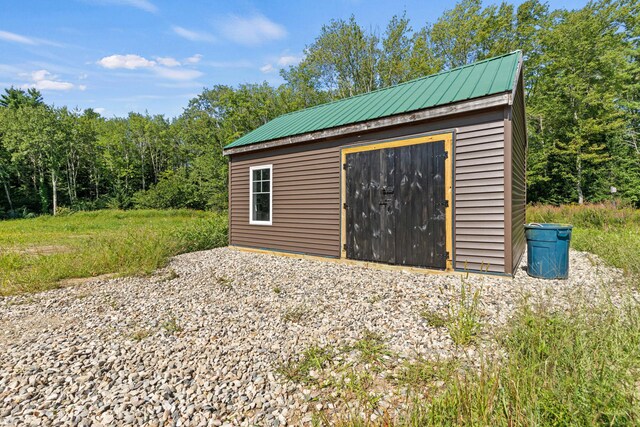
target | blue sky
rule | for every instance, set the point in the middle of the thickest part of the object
(118, 56)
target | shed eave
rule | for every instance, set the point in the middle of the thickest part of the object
(475, 104)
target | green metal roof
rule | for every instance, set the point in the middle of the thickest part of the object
(488, 77)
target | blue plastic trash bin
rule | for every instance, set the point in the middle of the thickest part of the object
(548, 250)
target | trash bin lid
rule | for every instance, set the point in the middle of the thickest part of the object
(547, 226)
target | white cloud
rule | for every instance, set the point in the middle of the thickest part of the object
(286, 60)
(145, 5)
(165, 67)
(130, 62)
(177, 74)
(100, 110)
(18, 38)
(193, 59)
(282, 61)
(52, 85)
(189, 84)
(40, 75)
(13, 37)
(167, 61)
(44, 80)
(252, 31)
(140, 4)
(230, 64)
(194, 36)
(267, 68)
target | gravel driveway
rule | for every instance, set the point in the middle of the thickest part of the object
(201, 341)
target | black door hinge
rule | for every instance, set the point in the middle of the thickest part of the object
(345, 206)
(344, 247)
(445, 203)
(446, 154)
(344, 166)
(446, 255)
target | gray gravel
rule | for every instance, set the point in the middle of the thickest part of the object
(200, 342)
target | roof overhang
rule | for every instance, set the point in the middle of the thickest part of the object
(492, 101)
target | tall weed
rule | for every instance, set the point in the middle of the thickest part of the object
(600, 216)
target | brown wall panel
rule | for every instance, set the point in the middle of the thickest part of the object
(479, 154)
(306, 183)
(476, 183)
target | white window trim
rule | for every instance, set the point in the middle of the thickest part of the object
(251, 220)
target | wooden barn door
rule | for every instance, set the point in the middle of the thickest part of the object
(371, 227)
(396, 205)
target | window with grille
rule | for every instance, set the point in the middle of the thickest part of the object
(260, 195)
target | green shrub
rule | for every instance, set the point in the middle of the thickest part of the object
(203, 234)
(174, 190)
(199, 188)
(120, 199)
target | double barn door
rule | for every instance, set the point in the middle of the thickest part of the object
(395, 205)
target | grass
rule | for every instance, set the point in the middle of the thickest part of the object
(434, 318)
(463, 322)
(225, 282)
(599, 216)
(295, 314)
(39, 253)
(140, 334)
(425, 375)
(359, 385)
(575, 368)
(313, 358)
(570, 369)
(462, 319)
(171, 325)
(372, 348)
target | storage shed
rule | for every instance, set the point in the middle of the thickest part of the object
(429, 173)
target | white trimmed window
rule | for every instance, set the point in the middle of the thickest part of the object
(260, 195)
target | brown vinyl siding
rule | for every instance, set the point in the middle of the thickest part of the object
(518, 175)
(306, 200)
(479, 201)
(306, 191)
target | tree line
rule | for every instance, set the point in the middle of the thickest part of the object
(582, 78)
